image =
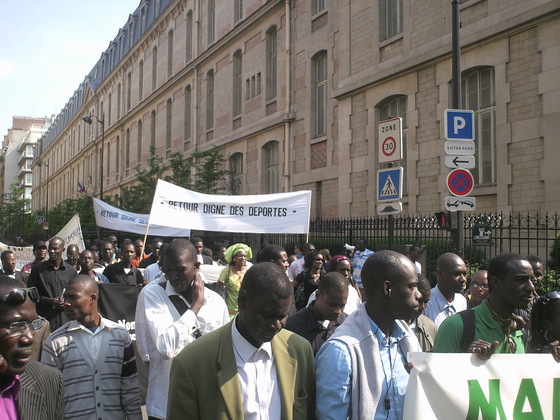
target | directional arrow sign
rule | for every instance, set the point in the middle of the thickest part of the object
(453, 162)
(459, 147)
(460, 203)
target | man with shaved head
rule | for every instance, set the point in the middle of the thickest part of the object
(362, 370)
(451, 273)
(95, 357)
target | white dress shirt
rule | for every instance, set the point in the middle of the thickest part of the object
(257, 374)
(153, 273)
(296, 267)
(352, 304)
(162, 333)
(439, 308)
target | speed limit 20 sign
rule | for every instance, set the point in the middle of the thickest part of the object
(390, 140)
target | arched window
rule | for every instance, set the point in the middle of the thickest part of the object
(168, 125)
(141, 81)
(237, 82)
(127, 150)
(153, 129)
(394, 107)
(128, 91)
(478, 94)
(139, 143)
(154, 68)
(189, 41)
(211, 20)
(170, 53)
(187, 117)
(210, 100)
(319, 83)
(271, 167)
(271, 63)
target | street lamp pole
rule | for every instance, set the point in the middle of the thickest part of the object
(88, 119)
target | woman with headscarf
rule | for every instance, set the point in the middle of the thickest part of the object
(237, 257)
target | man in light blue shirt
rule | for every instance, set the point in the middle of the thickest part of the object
(362, 370)
(358, 260)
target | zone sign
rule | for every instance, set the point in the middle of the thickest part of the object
(390, 140)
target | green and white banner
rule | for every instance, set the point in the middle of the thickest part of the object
(461, 386)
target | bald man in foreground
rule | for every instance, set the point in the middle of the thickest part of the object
(95, 357)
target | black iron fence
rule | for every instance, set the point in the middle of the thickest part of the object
(486, 235)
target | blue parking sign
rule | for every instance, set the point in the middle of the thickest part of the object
(459, 124)
(389, 184)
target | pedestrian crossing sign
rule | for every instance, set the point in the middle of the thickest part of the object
(389, 184)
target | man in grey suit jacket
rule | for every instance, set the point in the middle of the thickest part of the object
(39, 396)
(250, 365)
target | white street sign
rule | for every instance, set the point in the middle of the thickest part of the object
(389, 141)
(394, 207)
(454, 161)
(460, 203)
(459, 147)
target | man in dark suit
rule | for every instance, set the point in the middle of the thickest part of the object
(9, 267)
(200, 257)
(251, 365)
(39, 396)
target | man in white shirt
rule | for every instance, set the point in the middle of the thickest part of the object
(251, 368)
(172, 314)
(451, 273)
(297, 266)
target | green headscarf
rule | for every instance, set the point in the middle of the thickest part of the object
(234, 249)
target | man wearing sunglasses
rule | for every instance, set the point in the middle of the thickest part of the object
(28, 389)
(492, 326)
(50, 278)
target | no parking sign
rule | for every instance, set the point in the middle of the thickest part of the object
(460, 182)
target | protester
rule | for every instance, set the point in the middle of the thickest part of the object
(9, 264)
(414, 253)
(73, 255)
(423, 327)
(296, 267)
(28, 389)
(154, 256)
(278, 255)
(237, 256)
(307, 281)
(40, 253)
(172, 314)
(221, 260)
(200, 257)
(451, 273)
(138, 252)
(538, 271)
(492, 327)
(107, 254)
(87, 262)
(362, 370)
(250, 368)
(545, 325)
(317, 322)
(96, 358)
(478, 288)
(361, 254)
(154, 272)
(123, 271)
(50, 278)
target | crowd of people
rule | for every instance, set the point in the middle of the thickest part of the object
(251, 335)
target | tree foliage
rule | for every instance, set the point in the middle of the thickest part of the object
(15, 218)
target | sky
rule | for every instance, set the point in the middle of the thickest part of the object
(47, 47)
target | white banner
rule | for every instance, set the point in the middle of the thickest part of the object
(72, 234)
(461, 386)
(268, 213)
(111, 217)
(24, 254)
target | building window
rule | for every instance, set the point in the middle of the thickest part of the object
(271, 167)
(141, 81)
(392, 108)
(237, 82)
(211, 20)
(157, 9)
(168, 122)
(271, 63)
(391, 18)
(128, 91)
(318, 6)
(139, 145)
(108, 174)
(109, 101)
(118, 156)
(127, 150)
(131, 37)
(170, 53)
(154, 68)
(143, 19)
(319, 105)
(118, 101)
(236, 173)
(237, 10)
(210, 100)
(477, 93)
(187, 117)
(189, 42)
(153, 129)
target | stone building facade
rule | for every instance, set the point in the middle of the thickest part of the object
(292, 91)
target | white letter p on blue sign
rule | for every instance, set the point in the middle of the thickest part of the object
(459, 124)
